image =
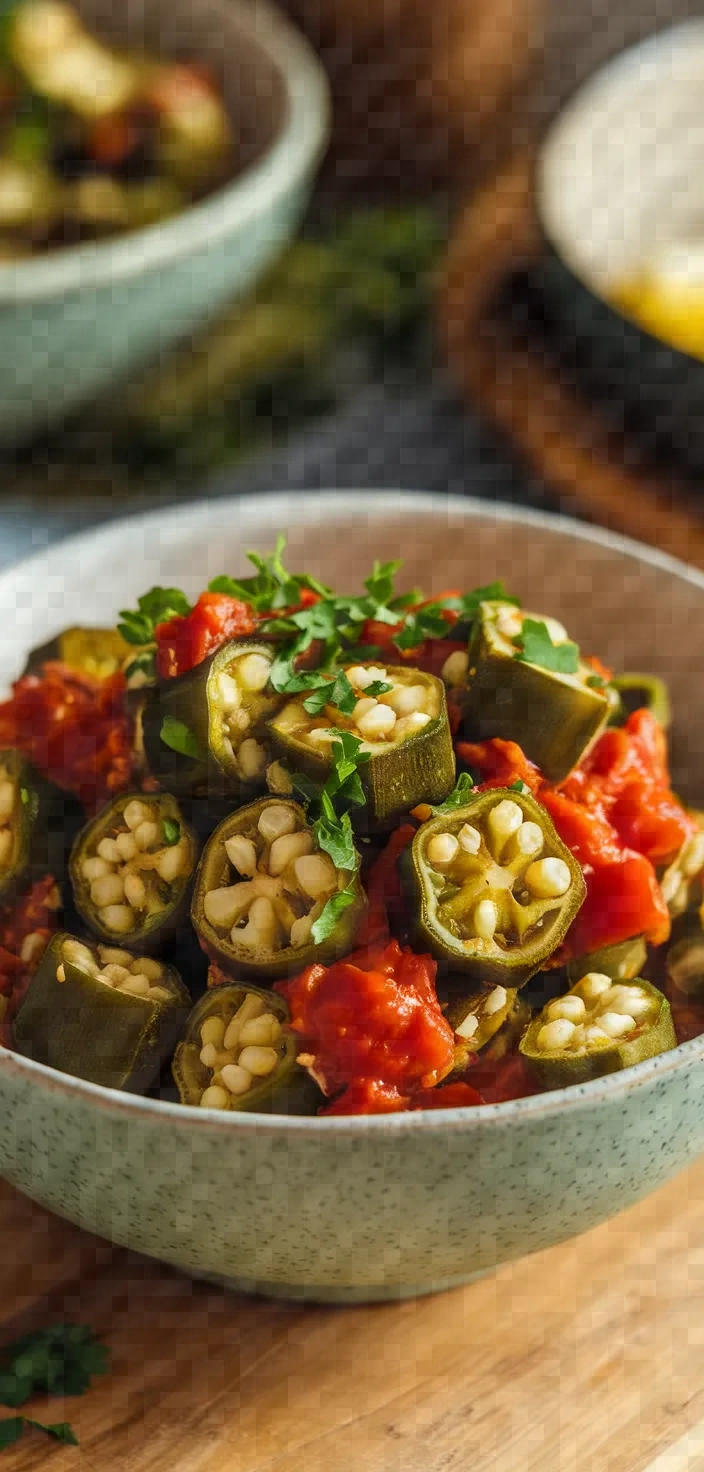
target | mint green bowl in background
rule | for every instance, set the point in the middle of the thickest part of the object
(76, 320)
(348, 1210)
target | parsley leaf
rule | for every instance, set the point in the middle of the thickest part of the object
(14, 1427)
(428, 622)
(461, 793)
(143, 663)
(597, 682)
(536, 647)
(380, 583)
(11, 1430)
(60, 1360)
(273, 586)
(378, 687)
(420, 624)
(179, 737)
(344, 780)
(171, 831)
(334, 907)
(334, 834)
(154, 607)
(335, 691)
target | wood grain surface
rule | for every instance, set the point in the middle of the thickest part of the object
(586, 1358)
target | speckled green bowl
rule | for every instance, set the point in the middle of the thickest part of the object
(74, 321)
(347, 1210)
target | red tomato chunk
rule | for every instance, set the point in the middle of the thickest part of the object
(186, 640)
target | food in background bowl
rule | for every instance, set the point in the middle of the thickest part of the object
(412, 810)
(95, 141)
(666, 296)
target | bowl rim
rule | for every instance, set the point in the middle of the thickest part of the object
(364, 504)
(626, 62)
(199, 227)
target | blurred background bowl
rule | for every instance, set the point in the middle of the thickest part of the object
(74, 321)
(620, 188)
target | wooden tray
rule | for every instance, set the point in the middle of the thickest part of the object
(503, 361)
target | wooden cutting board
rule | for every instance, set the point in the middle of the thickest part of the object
(585, 1358)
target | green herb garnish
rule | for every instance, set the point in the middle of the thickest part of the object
(334, 907)
(171, 831)
(61, 1360)
(179, 737)
(536, 647)
(15, 1426)
(597, 682)
(273, 586)
(155, 607)
(24, 796)
(461, 793)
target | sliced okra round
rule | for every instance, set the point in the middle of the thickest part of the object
(638, 692)
(598, 1027)
(681, 881)
(404, 729)
(494, 888)
(554, 716)
(101, 1013)
(131, 870)
(262, 883)
(204, 731)
(621, 961)
(238, 1053)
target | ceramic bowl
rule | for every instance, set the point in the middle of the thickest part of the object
(618, 180)
(348, 1210)
(75, 320)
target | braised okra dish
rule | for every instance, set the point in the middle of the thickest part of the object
(94, 140)
(289, 850)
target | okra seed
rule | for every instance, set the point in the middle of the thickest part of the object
(149, 967)
(486, 919)
(60, 973)
(495, 1001)
(692, 859)
(146, 835)
(377, 723)
(287, 848)
(136, 813)
(136, 986)
(252, 759)
(214, 1098)
(224, 907)
(443, 848)
(5, 846)
(114, 974)
(555, 1035)
(275, 822)
(503, 821)
(260, 1031)
(228, 691)
(259, 1061)
(556, 630)
(171, 863)
(321, 736)
(593, 985)
(108, 849)
(110, 955)
(252, 1006)
(301, 930)
(237, 1080)
(209, 1055)
(360, 676)
(594, 1034)
(118, 918)
(469, 839)
(261, 927)
(135, 892)
(529, 839)
(77, 954)
(454, 670)
(95, 869)
(363, 707)
(32, 948)
(548, 879)
(405, 700)
(509, 621)
(7, 801)
(278, 780)
(410, 725)
(617, 1024)
(468, 1026)
(160, 994)
(242, 854)
(316, 875)
(572, 1008)
(126, 846)
(213, 1031)
(107, 891)
(253, 672)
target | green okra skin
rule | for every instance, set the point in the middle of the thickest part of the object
(493, 888)
(79, 1022)
(286, 1088)
(475, 1018)
(227, 899)
(554, 717)
(222, 748)
(636, 692)
(621, 961)
(398, 775)
(681, 881)
(91, 651)
(37, 824)
(598, 1027)
(144, 918)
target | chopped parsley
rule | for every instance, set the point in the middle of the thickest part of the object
(273, 586)
(179, 737)
(171, 831)
(536, 647)
(332, 826)
(60, 1360)
(461, 793)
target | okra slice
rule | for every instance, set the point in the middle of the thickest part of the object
(621, 961)
(404, 729)
(262, 883)
(131, 870)
(37, 823)
(637, 692)
(100, 1013)
(204, 732)
(238, 1053)
(553, 716)
(96, 652)
(598, 1027)
(476, 1018)
(681, 882)
(684, 965)
(495, 889)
